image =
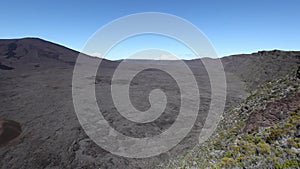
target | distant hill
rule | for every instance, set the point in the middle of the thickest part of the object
(253, 68)
(258, 67)
(34, 52)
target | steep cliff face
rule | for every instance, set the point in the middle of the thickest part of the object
(262, 132)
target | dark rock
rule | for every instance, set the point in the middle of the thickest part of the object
(4, 67)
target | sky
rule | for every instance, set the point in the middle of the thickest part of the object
(232, 26)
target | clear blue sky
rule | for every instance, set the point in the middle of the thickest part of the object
(233, 26)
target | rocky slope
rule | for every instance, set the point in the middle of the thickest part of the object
(262, 132)
(256, 68)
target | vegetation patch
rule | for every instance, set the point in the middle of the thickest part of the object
(269, 145)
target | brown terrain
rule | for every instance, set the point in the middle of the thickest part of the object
(273, 113)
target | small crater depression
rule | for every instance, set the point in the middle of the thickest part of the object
(9, 130)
